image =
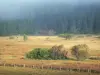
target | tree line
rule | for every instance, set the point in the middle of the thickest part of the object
(61, 19)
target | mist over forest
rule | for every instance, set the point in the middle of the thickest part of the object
(60, 16)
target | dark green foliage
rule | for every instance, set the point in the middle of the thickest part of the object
(38, 53)
(56, 52)
(80, 18)
(66, 36)
(80, 51)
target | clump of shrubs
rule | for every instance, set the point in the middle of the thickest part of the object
(56, 52)
(80, 51)
(66, 36)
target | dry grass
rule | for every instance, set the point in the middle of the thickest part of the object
(27, 71)
(14, 49)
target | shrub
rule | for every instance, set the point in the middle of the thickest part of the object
(38, 53)
(25, 37)
(80, 51)
(11, 37)
(66, 36)
(58, 52)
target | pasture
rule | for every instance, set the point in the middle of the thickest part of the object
(13, 51)
(28, 71)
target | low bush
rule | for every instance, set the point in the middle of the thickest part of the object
(56, 52)
(80, 51)
(38, 53)
(66, 36)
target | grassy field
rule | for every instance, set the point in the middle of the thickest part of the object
(13, 50)
(16, 48)
(27, 71)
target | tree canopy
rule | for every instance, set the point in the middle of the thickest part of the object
(60, 18)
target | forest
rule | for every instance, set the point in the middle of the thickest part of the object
(59, 17)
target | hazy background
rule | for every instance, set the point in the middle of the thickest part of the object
(15, 8)
(61, 16)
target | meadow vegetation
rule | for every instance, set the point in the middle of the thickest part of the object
(56, 52)
(80, 51)
(27, 71)
(50, 50)
(38, 53)
(66, 36)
